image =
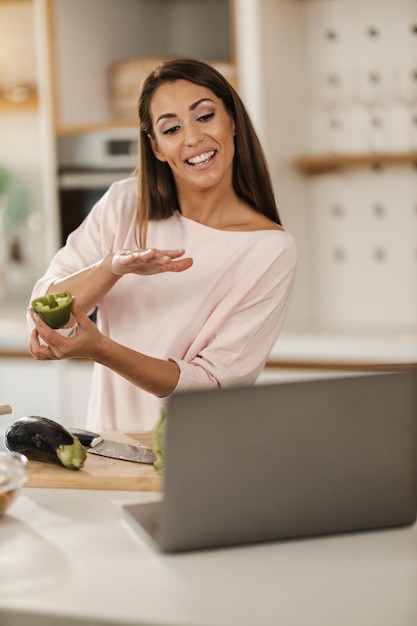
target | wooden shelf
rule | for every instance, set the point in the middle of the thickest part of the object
(9, 106)
(320, 164)
(75, 129)
(337, 365)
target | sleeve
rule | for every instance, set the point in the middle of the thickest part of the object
(93, 239)
(251, 318)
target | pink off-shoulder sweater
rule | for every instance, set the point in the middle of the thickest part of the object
(217, 320)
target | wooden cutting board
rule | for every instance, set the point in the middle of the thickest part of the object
(99, 472)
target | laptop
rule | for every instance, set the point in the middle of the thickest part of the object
(286, 460)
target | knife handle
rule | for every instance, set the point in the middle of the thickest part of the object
(87, 437)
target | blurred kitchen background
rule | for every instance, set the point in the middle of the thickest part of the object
(331, 86)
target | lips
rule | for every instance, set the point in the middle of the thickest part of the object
(202, 158)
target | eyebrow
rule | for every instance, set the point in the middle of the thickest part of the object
(192, 107)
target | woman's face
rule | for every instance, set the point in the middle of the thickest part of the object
(193, 133)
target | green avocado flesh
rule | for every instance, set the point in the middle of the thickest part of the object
(54, 309)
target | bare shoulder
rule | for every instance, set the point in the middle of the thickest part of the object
(240, 216)
(257, 221)
(264, 223)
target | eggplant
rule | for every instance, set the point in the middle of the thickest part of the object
(42, 439)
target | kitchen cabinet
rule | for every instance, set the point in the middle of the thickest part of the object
(25, 242)
(55, 389)
(87, 38)
(9, 105)
(324, 163)
(18, 90)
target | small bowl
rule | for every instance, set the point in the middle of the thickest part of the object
(12, 477)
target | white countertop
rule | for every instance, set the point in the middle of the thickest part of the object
(348, 347)
(68, 556)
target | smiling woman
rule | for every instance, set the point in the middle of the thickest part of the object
(251, 181)
(188, 264)
(197, 142)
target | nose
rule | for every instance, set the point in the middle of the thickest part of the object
(192, 134)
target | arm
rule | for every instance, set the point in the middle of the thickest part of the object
(89, 266)
(92, 283)
(88, 285)
(230, 348)
(157, 376)
(244, 300)
(96, 254)
(238, 336)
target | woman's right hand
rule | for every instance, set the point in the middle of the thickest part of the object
(149, 261)
(48, 344)
(157, 376)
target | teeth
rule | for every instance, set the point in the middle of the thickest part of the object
(201, 158)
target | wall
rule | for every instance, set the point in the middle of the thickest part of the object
(339, 77)
(361, 87)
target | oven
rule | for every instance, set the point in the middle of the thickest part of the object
(88, 164)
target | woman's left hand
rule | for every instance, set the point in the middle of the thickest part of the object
(149, 261)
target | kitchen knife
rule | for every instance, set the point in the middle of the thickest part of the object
(95, 444)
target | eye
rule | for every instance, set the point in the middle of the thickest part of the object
(206, 118)
(171, 130)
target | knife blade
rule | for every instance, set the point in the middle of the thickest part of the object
(95, 444)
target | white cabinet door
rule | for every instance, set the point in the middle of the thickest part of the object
(75, 388)
(84, 52)
(54, 389)
(30, 388)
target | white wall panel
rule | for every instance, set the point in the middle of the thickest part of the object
(361, 97)
(361, 57)
(365, 249)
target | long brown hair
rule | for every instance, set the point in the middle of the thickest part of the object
(157, 192)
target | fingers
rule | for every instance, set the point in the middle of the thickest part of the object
(38, 350)
(46, 343)
(150, 255)
(179, 266)
(156, 254)
(150, 261)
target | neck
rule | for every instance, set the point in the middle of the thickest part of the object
(211, 207)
